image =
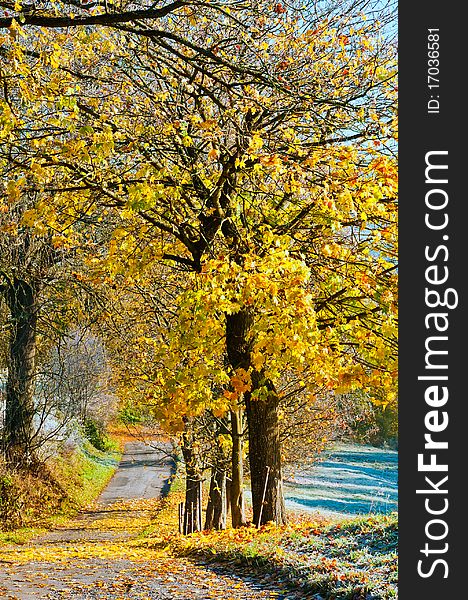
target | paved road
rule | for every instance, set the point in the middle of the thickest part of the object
(143, 472)
(98, 555)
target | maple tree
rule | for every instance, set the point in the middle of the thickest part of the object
(255, 190)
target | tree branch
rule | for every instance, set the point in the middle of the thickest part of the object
(102, 19)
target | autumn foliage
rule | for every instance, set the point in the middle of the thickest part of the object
(216, 199)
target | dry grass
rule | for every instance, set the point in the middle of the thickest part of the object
(30, 497)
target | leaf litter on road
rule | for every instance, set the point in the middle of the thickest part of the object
(102, 554)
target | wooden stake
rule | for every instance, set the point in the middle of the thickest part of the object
(181, 517)
(263, 498)
(200, 494)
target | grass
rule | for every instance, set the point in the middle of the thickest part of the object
(19, 536)
(35, 501)
(353, 559)
(85, 473)
(348, 479)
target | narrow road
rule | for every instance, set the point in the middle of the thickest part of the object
(143, 472)
(100, 554)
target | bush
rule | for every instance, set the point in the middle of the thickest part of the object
(130, 416)
(27, 495)
(95, 432)
(70, 480)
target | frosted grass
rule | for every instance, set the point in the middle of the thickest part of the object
(348, 480)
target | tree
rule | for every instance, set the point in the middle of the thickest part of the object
(23, 262)
(232, 175)
(41, 242)
(41, 298)
(75, 378)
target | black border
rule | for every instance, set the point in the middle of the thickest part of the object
(421, 132)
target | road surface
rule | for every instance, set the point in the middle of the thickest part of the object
(143, 472)
(101, 555)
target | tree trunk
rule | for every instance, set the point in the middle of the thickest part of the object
(192, 512)
(21, 298)
(262, 420)
(236, 493)
(216, 509)
(193, 481)
(265, 456)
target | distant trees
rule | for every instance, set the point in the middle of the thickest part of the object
(373, 421)
(76, 377)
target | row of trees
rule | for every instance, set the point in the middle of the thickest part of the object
(212, 189)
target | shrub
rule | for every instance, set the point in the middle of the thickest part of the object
(95, 432)
(27, 495)
(130, 416)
